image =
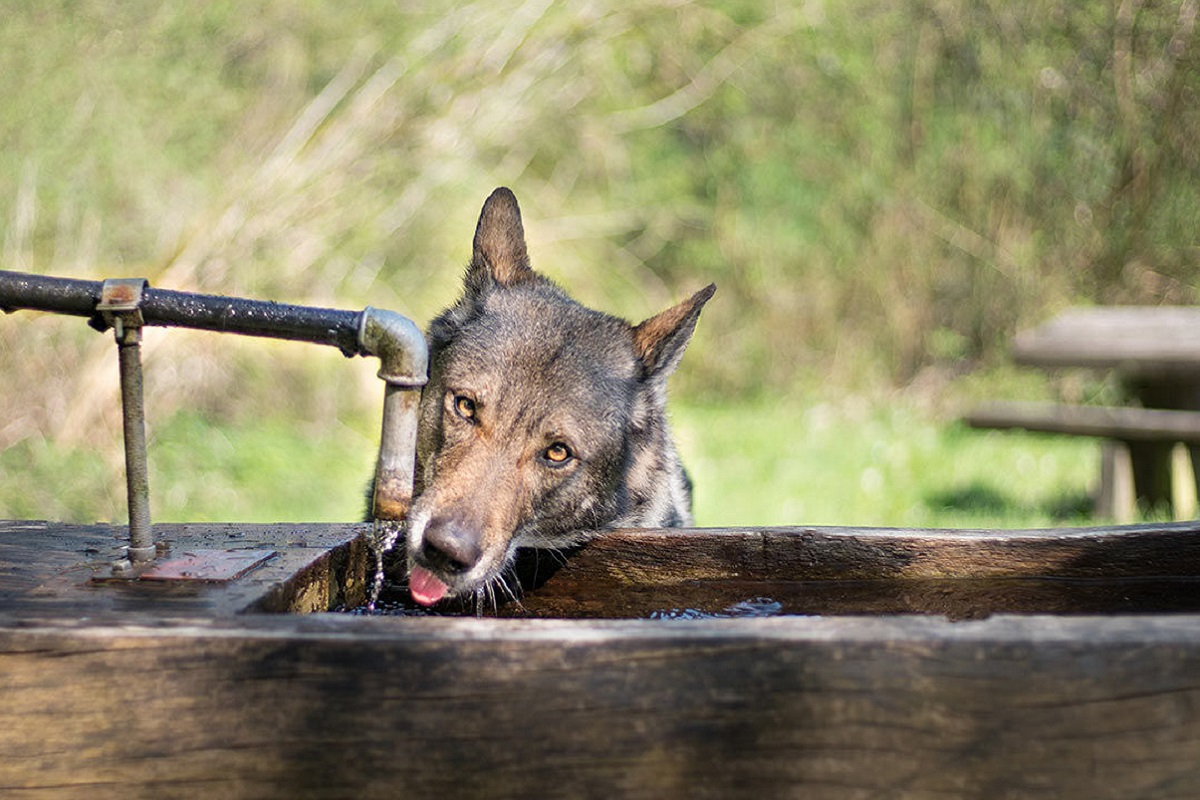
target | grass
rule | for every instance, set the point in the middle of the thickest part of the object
(753, 464)
(788, 464)
(276, 470)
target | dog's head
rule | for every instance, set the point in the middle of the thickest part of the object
(532, 406)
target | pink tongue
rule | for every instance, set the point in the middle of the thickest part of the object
(425, 587)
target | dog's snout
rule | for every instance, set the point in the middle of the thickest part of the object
(450, 546)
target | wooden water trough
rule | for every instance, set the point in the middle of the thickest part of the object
(789, 662)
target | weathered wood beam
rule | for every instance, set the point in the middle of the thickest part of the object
(834, 708)
(1122, 423)
(1157, 342)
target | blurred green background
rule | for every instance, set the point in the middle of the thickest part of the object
(883, 191)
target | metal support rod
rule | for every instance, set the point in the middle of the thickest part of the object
(137, 475)
(120, 307)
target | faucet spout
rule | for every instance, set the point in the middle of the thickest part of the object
(404, 364)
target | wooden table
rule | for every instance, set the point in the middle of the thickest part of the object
(1154, 351)
(1156, 345)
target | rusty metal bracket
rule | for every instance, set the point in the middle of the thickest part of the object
(210, 566)
(120, 304)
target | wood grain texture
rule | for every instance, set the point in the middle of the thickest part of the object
(836, 708)
(109, 692)
(51, 570)
(644, 557)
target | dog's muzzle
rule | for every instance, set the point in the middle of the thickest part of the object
(445, 557)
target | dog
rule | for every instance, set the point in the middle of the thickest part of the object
(542, 419)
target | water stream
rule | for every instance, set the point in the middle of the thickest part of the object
(382, 538)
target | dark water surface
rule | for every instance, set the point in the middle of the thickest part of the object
(956, 599)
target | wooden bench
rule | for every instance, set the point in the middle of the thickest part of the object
(1140, 453)
(1153, 354)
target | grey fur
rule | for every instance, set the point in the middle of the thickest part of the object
(519, 370)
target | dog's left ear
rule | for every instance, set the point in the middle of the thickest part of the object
(661, 340)
(499, 248)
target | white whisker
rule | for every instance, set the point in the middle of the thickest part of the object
(513, 590)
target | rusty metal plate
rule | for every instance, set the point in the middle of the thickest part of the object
(207, 565)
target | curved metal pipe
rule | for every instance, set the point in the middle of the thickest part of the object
(404, 366)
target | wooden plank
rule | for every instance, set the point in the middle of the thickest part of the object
(48, 569)
(1145, 341)
(1125, 424)
(959, 574)
(322, 566)
(656, 557)
(833, 708)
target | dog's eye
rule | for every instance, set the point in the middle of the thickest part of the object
(558, 453)
(464, 406)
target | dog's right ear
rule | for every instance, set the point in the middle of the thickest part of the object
(660, 341)
(499, 251)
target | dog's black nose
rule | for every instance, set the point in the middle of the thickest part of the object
(450, 546)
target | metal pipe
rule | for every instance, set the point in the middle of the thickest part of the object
(127, 305)
(120, 307)
(45, 293)
(137, 474)
(166, 308)
(404, 363)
